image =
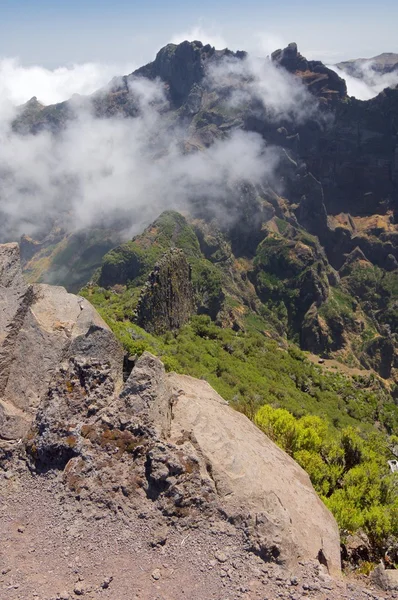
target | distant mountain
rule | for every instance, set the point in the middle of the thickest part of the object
(381, 64)
(231, 283)
(337, 179)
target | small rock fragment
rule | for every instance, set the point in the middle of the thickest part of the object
(160, 536)
(156, 574)
(107, 582)
(79, 589)
(221, 556)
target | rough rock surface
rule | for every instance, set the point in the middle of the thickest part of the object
(386, 579)
(167, 300)
(189, 452)
(37, 324)
(254, 479)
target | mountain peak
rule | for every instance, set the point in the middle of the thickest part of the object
(290, 58)
(182, 65)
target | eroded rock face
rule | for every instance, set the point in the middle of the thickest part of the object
(37, 325)
(167, 300)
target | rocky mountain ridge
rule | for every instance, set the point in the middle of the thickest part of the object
(307, 257)
(387, 62)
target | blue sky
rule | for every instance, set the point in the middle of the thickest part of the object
(58, 32)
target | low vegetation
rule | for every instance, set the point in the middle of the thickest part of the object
(348, 470)
(340, 424)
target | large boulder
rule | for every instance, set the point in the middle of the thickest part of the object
(37, 325)
(258, 487)
(386, 579)
(257, 483)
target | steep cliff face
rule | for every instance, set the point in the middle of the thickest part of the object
(167, 299)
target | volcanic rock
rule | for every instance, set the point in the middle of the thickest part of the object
(167, 300)
(166, 439)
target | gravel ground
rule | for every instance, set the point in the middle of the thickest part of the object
(53, 547)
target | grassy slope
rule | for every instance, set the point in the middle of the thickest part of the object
(252, 367)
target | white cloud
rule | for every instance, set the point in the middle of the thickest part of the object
(103, 169)
(266, 43)
(281, 95)
(19, 83)
(369, 83)
(99, 170)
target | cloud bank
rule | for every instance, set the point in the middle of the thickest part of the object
(282, 96)
(368, 83)
(127, 170)
(18, 83)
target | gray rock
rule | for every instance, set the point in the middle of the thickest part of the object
(386, 579)
(38, 324)
(79, 589)
(256, 482)
(221, 556)
(107, 582)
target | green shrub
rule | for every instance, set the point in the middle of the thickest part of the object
(348, 470)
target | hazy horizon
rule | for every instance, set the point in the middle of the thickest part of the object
(54, 50)
(57, 34)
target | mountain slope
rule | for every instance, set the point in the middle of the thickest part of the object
(303, 252)
(335, 177)
(382, 63)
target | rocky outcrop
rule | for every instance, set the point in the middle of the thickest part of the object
(253, 478)
(381, 355)
(182, 67)
(165, 440)
(167, 300)
(320, 80)
(172, 439)
(37, 325)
